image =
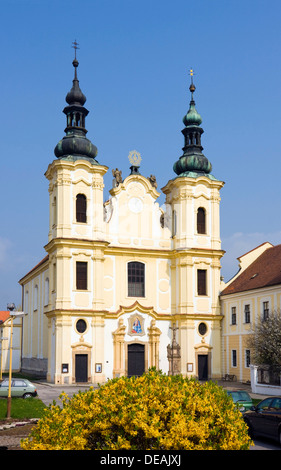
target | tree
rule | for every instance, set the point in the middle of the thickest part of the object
(265, 341)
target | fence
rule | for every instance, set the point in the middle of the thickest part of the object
(265, 380)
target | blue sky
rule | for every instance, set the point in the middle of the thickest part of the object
(134, 60)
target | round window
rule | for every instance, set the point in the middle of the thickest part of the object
(81, 326)
(202, 328)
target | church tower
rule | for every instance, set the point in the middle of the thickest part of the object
(193, 197)
(75, 245)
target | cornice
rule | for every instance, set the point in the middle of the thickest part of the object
(187, 181)
(75, 243)
(135, 178)
(74, 165)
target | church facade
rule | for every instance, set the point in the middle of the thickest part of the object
(125, 286)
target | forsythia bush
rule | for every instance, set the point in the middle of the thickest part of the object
(151, 412)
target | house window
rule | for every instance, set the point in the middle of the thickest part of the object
(201, 220)
(234, 358)
(136, 279)
(233, 316)
(247, 358)
(81, 275)
(81, 208)
(202, 282)
(247, 314)
(265, 310)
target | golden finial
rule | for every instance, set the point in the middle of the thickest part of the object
(192, 86)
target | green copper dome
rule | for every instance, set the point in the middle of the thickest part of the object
(192, 163)
(75, 145)
(192, 117)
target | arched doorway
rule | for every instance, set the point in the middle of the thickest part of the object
(136, 359)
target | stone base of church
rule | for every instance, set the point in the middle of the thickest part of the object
(34, 366)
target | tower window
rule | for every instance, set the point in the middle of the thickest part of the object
(81, 275)
(202, 282)
(201, 220)
(136, 278)
(81, 208)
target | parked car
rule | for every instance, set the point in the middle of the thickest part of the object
(265, 419)
(241, 398)
(19, 388)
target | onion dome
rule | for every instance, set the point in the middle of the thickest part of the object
(192, 116)
(75, 95)
(192, 163)
(74, 145)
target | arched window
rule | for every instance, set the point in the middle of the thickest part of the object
(81, 208)
(46, 293)
(201, 220)
(35, 299)
(136, 279)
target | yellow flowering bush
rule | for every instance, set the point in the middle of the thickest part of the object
(151, 412)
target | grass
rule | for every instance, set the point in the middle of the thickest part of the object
(22, 408)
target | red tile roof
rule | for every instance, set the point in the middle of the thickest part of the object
(4, 315)
(265, 271)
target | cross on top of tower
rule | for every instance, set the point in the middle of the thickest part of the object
(192, 86)
(75, 47)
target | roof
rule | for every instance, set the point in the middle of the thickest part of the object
(4, 315)
(35, 267)
(265, 271)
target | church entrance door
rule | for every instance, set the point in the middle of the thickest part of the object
(81, 367)
(135, 359)
(203, 366)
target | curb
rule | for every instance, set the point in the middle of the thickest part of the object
(18, 423)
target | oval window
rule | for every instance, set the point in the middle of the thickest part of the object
(81, 326)
(202, 328)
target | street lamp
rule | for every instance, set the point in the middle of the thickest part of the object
(11, 308)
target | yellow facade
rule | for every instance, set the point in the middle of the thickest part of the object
(242, 311)
(130, 226)
(5, 342)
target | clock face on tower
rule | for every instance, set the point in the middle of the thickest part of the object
(135, 205)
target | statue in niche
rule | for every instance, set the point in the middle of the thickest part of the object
(117, 174)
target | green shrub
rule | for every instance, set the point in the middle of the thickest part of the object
(151, 412)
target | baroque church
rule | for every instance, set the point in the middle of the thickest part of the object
(125, 286)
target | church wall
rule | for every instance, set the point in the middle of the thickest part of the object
(36, 297)
(157, 280)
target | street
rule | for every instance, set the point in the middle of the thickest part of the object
(49, 393)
